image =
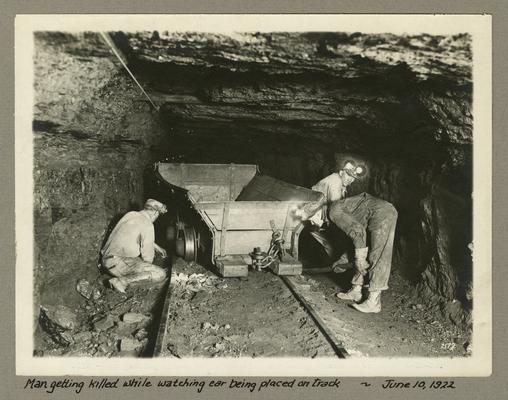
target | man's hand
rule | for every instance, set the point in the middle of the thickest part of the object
(300, 213)
(161, 251)
(342, 264)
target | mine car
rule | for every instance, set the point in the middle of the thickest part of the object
(231, 217)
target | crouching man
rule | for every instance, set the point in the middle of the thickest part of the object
(360, 217)
(130, 249)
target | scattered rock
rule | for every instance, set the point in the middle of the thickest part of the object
(67, 336)
(130, 344)
(61, 316)
(141, 334)
(84, 288)
(55, 321)
(135, 318)
(96, 293)
(82, 336)
(208, 325)
(194, 283)
(105, 348)
(124, 329)
(227, 327)
(105, 323)
(222, 285)
(103, 337)
(220, 346)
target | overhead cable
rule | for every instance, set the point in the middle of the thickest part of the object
(112, 46)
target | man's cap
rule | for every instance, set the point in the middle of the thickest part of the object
(155, 205)
(354, 170)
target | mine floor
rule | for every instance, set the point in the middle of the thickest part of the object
(255, 316)
(258, 316)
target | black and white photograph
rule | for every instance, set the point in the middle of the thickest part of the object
(204, 194)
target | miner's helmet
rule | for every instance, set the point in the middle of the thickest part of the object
(354, 170)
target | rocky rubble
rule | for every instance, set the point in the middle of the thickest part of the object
(110, 325)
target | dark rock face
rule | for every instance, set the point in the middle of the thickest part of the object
(295, 104)
(91, 143)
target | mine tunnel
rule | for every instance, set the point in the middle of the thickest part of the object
(109, 106)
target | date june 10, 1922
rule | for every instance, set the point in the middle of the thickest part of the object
(393, 384)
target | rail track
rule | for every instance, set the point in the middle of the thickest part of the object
(336, 345)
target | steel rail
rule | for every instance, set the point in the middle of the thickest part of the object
(162, 331)
(336, 344)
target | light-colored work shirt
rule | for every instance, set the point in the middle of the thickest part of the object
(133, 236)
(333, 188)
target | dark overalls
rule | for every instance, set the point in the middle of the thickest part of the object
(365, 215)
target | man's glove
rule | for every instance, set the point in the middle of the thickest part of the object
(361, 263)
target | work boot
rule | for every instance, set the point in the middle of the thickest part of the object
(354, 294)
(118, 285)
(371, 305)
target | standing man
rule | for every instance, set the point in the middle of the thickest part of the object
(130, 249)
(360, 217)
(333, 188)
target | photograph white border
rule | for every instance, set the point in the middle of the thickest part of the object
(479, 364)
